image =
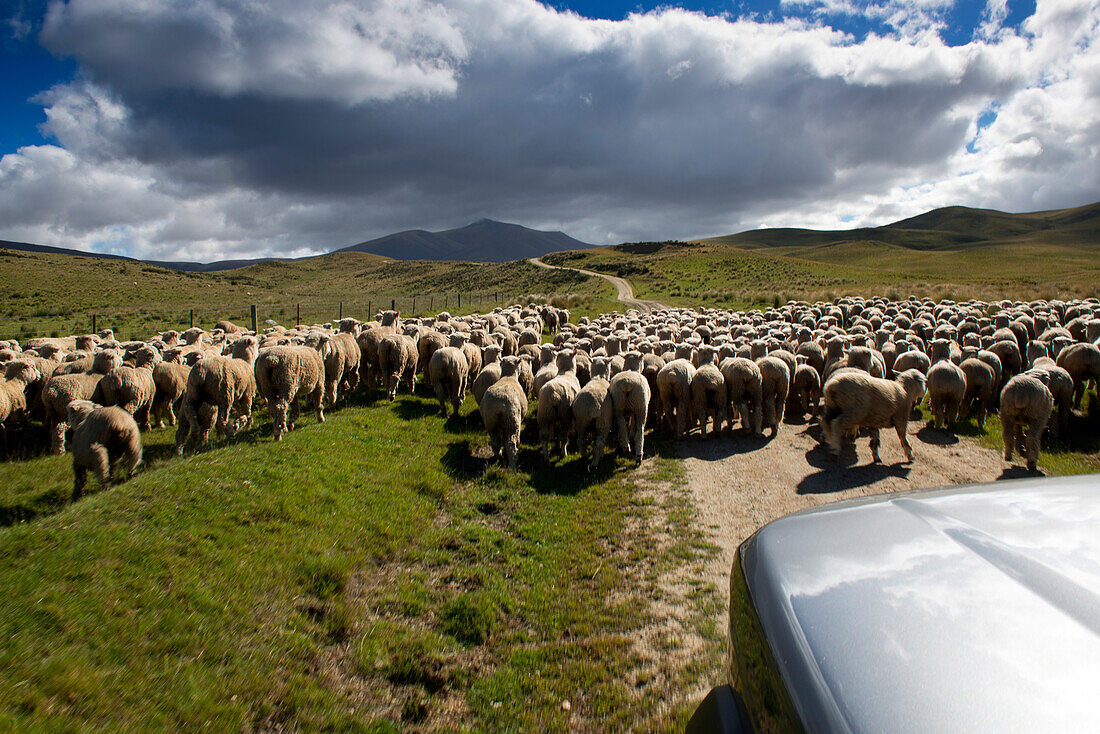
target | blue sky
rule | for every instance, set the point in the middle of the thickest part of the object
(227, 129)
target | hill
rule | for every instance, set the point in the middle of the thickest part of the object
(950, 228)
(483, 241)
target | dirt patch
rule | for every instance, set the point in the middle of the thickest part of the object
(740, 483)
(623, 290)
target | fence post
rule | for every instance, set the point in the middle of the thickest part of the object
(459, 300)
(341, 310)
(370, 311)
(297, 314)
(252, 308)
(94, 330)
(393, 304)
(192, 321)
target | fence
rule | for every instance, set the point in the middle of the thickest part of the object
(141, 323)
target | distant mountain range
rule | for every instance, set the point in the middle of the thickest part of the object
(482, 241)
(950, 228)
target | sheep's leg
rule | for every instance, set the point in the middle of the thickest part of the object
(511, 449)
(279, 408)
(80, 478)
(101, 464)
(901, 427)
(1034, 434)
(719, 418)
(495, 442)
(875, 443)
(58, 442)
(598, 446)
(131, 457)
(639, 437)
(667, 409)
(223, 416)
(1007, 434)
(837, 432)
(624, 437)
(1078, 392)
(142, 417)
(158, 410)
(544, 437)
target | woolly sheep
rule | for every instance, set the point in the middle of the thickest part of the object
(1082, 362)
(674, 384)
(102, 437)
(629, 392)
(490, 372)
(805, 396)
(13, 391)
(775, 381)
(855, 400)
(744, 394)
(217, 387)
(131, 387)
(502, 409)
(447, 373)
(170, 379)
(398, 358)
(1026, 405)
(946, 389)
(555, 405)
(282, 373)
(708, 391)
(593, 413)
(980, 384)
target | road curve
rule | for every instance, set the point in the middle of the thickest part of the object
(623, 289)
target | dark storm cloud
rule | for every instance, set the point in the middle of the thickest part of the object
(302, 128)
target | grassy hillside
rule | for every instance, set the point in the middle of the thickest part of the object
(42, 293)
(358, 576)
(955, 252)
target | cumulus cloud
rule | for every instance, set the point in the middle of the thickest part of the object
(227, 128)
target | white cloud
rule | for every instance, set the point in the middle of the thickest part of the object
(225, 128)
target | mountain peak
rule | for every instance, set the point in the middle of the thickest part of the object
(485, 240)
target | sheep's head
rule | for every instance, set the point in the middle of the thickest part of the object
(914, 384)
(632, 361)
(491, 353)
(106, 360)
(78, 410)
(24, 372)
(245, 348)
(509, 366)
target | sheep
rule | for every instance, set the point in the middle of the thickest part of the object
(913, 359)
(502, 409)
(170, 379)
(744, 394)
(805, 395)
(981, 381)
(60, 390)
(1060, 384)
(593, 413)
(398, 358)
(13, 391)
(555, 405)
(1026, 405)
(674, 384)
(102, 437)
(218, 386)
(775, 382)
(855, 400)
(526, 375)
(427, 345)
(946, 389)
(341, 364)
(447, 373)
(131, 388)
(1082, 362)
(629, 392)
(284, 372)
(490, 372)
(548, 368)
(708, 391)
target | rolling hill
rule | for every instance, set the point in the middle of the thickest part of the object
(950, 228)
(483, 241)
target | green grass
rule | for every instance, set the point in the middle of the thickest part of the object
(375, 571)
(56, 295)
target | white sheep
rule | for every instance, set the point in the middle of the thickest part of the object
(503, 407)
(1026, 405)
(855, 400)
(593, 414)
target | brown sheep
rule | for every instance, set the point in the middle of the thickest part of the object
(855, 400)
(1082, 362)
(102, 436)
(980, 384)
(171, 382)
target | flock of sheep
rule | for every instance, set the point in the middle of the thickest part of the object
(870, 362)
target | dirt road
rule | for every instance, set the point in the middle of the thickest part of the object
(623, 289)
(741, 483)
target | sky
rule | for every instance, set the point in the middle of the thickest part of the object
(215, 129)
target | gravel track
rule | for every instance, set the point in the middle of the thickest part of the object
(623, 289)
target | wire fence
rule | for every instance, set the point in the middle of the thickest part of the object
(147, 320)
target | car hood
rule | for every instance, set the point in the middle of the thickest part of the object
(970, 609)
